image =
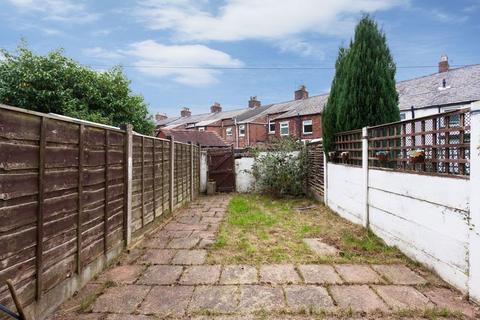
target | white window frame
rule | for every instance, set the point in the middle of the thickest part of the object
(283, 125)
(308, 122)
(229, 131)
(201, 128)
(270, 131)
(403, 116)
(240, 129)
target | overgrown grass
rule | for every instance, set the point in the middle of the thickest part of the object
(259, 229)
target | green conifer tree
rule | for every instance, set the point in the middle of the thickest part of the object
(363, 91)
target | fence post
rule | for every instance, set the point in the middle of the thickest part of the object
(366, 217)
(128, 176)
(474, 237)
(172, 172)
(191, 171)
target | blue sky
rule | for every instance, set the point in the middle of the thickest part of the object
(145, 35)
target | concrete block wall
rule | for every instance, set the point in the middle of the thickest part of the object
(432, 219)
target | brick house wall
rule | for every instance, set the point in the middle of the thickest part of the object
(295, 126)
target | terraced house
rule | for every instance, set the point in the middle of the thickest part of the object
(301, 118)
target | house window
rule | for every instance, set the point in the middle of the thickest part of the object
(271, 127)
(201, 129)
(228, 131)
(307, 127)
(403, 116)
(284, 128)
(241, 130)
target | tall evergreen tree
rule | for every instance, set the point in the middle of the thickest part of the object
(364, 92)
(329, 118)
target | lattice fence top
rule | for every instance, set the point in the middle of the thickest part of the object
(436, 144)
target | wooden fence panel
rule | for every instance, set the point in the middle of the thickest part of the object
(63, 185)
(316, 177)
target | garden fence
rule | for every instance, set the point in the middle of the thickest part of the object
(74, 193)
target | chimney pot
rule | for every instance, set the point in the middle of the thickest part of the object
(215, 108)
(301, 93)
(443, 65)
(253, 102)
(185, 112)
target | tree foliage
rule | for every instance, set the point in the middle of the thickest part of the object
(283, 169)
(57, 84)
(363, 92)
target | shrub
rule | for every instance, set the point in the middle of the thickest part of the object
(282, 170)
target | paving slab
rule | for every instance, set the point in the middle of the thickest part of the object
(190, 257)
(279, 274)
(353, 273)
(203, 234)
(218, 299)
(156, 243)
(175, 226)
(205, 243)
(128, 317)
(167, 300)
(239, 274)
(308, 298)
(319, 247)
(157, 256)
(261, 297)
(359, 298)
(76, 302)
(126, 274)
(189, 219)
(183, 243)
(176, 233)
(161, 275)
(319, 274)
(403, 297)
(200, 275)
(399, 274)
(122, 299)
(453, 301)
(131, 256)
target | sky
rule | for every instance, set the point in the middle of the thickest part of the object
(192, 53)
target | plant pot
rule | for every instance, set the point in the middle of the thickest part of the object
(344, 155)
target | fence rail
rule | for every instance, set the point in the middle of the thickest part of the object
(436, 144)
(64, 197)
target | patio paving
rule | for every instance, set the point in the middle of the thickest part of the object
(167, 276)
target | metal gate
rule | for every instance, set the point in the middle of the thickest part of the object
(221, 164)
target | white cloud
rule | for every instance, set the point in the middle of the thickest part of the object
(256, 19)
(57, 10)
(301, 48)
(150, 55)
(102, 54)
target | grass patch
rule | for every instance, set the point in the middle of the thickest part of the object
(259, 229)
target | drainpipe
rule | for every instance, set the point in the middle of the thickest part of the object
(412, 109)
(236, 132)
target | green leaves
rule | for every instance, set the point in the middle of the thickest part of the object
(363, 92)
(283, 170)
(55, 83)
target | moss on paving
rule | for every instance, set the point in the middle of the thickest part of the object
(261, 230)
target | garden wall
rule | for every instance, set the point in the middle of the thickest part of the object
(73, 194)
(429, 209)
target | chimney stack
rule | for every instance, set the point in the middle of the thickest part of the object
(160, 116)
(216, 107)
(301, 93)
(253, 102)
(443, 65)
(185, 112)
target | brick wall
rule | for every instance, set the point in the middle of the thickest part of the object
(295, 126)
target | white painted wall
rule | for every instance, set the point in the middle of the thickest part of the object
(432, 219)
(424, 216)
(346, 191)
(203, 172)
(244, 180)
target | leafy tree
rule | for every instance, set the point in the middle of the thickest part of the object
(363, 90)
(57, 84)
